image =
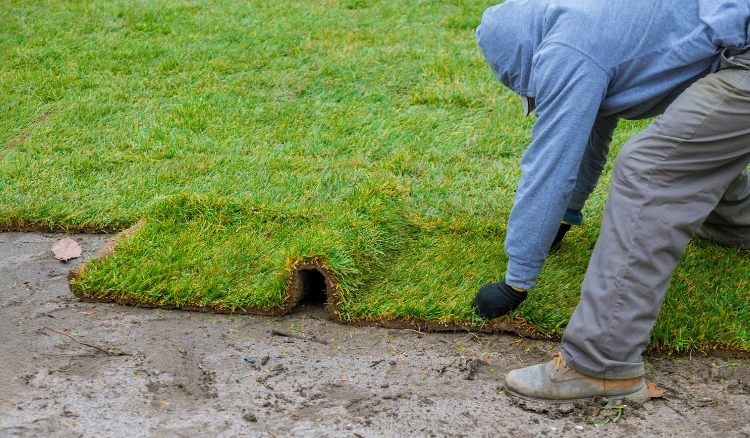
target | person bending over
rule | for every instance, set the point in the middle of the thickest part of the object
(582, 65)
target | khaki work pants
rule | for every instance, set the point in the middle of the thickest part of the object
(686, 170)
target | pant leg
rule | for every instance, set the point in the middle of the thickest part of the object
(666, 182)
(729, 223)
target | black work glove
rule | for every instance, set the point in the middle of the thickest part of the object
(497, 299)
(564, 228)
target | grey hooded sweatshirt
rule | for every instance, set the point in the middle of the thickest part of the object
(588, 63)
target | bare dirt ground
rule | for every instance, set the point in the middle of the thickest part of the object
(190, 374)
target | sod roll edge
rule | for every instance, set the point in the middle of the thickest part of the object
(375, 265)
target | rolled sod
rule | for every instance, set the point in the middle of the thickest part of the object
(375, 263)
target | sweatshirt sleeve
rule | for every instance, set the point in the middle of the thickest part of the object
(593, 161)
(569, 90)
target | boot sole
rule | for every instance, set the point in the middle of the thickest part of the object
(640, 396)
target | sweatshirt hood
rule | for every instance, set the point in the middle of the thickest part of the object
(509, 36)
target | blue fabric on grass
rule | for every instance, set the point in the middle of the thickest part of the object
(573, 217)
(584, 59)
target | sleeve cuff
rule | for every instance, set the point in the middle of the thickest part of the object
(573, 217)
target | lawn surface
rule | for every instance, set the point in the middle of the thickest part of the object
(368, 136)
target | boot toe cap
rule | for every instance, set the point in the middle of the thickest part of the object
(526, 382)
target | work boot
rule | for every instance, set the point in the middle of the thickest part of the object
(555, 382)
(728, 237)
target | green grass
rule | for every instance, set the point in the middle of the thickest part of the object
(366, 135)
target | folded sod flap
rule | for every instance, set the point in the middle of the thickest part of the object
(374, 262)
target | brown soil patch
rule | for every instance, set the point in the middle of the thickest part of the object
(196, 374)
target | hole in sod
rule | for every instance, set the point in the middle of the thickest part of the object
(313, 285)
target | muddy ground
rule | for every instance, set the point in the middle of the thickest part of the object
(190, 374)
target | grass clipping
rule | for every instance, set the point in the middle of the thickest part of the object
(381, 266)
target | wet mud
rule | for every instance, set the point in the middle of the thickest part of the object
(192, 374)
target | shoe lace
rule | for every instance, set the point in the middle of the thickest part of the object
(558, 360)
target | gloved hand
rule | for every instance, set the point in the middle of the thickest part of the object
(564, 228)
(497, 299)
(572, 217)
